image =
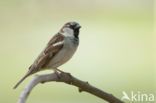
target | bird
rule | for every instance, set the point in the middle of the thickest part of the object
(58, 51)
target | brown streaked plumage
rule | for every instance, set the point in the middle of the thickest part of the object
(58, 50)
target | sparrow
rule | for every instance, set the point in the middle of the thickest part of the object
(58, 51)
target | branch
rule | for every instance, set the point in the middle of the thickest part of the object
(68, 79)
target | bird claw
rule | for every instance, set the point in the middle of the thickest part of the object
(57, 74)
(68, 73)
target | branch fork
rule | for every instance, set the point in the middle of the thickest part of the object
(68, 79)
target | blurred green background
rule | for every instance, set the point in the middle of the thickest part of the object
(116, 51)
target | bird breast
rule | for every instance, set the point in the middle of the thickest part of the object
(64, 54)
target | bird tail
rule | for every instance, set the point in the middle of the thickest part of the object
(19, 82)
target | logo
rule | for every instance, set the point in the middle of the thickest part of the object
(137, 96)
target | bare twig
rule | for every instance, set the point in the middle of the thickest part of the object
(69, 79)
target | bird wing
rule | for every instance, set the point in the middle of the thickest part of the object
(52, 48)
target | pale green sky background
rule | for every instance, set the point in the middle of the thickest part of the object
(116, 51)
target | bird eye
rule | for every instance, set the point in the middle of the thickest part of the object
(68, 25)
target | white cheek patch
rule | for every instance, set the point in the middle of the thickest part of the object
(58, 43)
(68, 32)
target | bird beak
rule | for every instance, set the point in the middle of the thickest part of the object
(77, 26)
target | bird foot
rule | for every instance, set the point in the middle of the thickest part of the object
(57, 74)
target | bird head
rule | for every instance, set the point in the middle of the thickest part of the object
(71, 29)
